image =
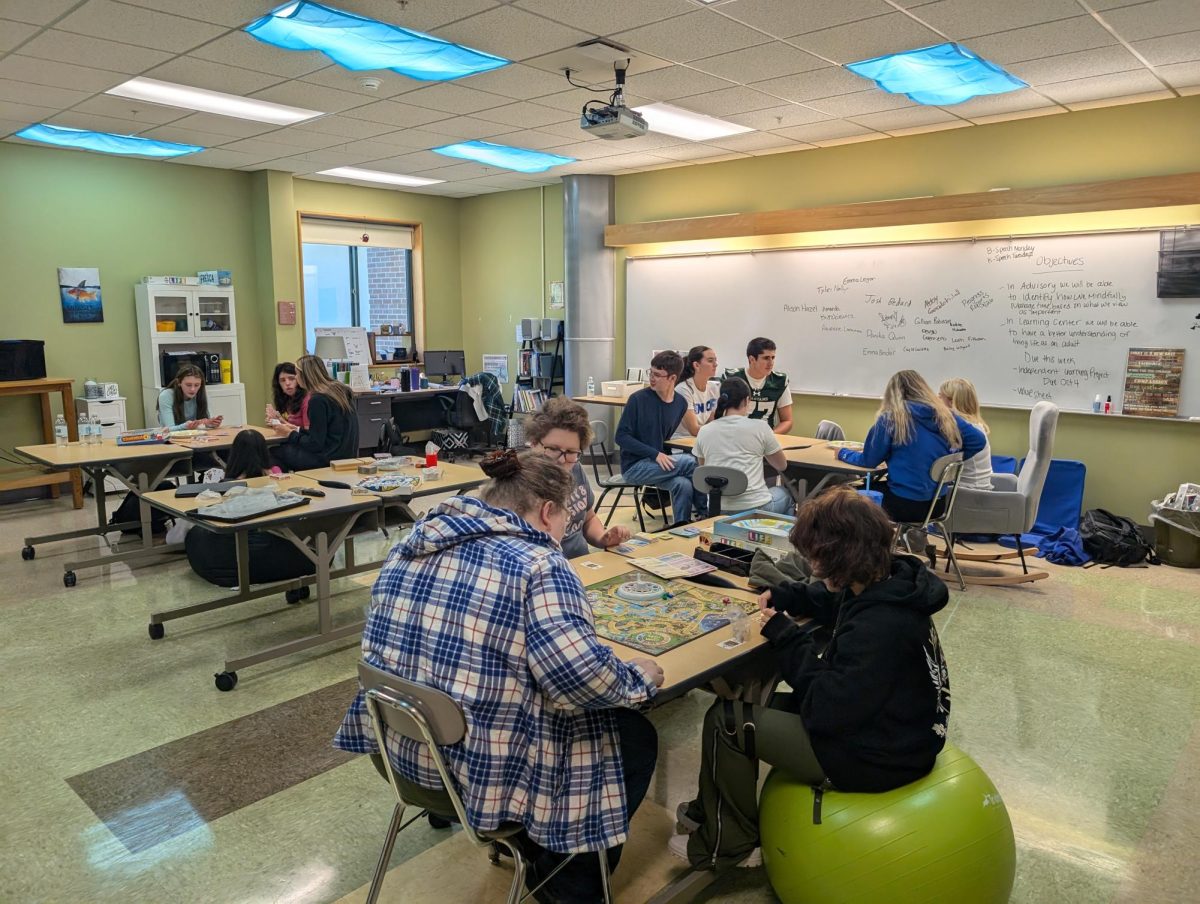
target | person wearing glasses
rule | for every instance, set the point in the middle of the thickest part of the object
(650, 418)
(561, 432)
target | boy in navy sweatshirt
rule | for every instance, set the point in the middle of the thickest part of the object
(648, 421)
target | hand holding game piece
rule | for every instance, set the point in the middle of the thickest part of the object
(764, 607)
(650, 669)
(615, 535)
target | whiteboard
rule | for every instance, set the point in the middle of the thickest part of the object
(1024, 319)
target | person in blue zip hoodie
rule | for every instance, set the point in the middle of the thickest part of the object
(913, 429)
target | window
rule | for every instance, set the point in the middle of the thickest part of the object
(359, 274)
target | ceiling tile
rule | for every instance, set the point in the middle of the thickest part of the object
(998, 104)
(239, 49)
(394, 113)
(287, 165)
(1183, 48)
(311, 97)
(824, 131)
(1101, 5)
(410, 163)
(198, 73)
(890, 120)
(134, 110)
(788, 17)
(187, 136)
(264, 146)
(1155, 19)
(1122, 100)
(931, 127)
(1102, 87)
(860, 102)
(13, 33)
(571, 102)
(764, 61)
(692, 150)
(782, 149)
(1083, 64)
(653, 142)
(676, 81)
(849, 139)
(1038, 41)
(1181, 75)
(451, 99)
(391, 83)
(8, 126)
(827, 82)
(73, 119)
(470, 128)
(634, 161)
(967, 18)
(518, 81)
(870, 38)
(778, 117)
(344, 127)
(523, 115)
(417, 16)
(233, 13)
(20, 68)
(589, 149)
(221, 125)
(691, 37)
(53, 44)
(737, 99)
(415, 139)
(304, 139)
(28, 113)
(604, 17)
(36, 12)
(40, 95)
(134, 25)
(511, 33)
(752, 141)
(532, 138)
(454, 170)
(217, 157)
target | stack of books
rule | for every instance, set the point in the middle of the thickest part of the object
(528, 400)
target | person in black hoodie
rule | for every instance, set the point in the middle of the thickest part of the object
(332, 430)
(868, 710)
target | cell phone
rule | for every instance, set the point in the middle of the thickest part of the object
(309, 491)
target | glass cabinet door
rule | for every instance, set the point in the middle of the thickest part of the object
(170, 313)
(214, 314)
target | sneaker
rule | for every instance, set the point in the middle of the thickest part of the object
(678, 846)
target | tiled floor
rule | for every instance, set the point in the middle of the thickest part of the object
(1079, 696)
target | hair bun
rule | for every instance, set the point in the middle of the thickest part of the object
(723, 397)
(501, 464)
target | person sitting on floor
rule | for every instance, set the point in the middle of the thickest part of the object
(332, 430)
(560, 431)
(648, 421)
(213, 556)
(734, 440)
(289, 399)
(868, 711)
(480, 603)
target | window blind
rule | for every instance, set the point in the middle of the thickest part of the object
(321, 231)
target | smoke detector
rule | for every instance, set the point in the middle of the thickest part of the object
(369, 83)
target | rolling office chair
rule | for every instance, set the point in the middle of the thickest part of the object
(433, 718)
(718, 481)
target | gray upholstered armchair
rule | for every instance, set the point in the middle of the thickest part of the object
(1011, 506)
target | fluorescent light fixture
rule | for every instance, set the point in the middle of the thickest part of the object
(358, 43)
(370, 175)
(941, 75)
(682, 123)
(105, 142)
(522, 160)
(172, 95)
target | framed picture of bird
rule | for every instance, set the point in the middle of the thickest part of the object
(79, 293)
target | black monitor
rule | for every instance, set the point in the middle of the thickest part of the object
(446, 363)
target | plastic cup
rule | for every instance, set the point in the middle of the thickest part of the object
(739, 623)
(431, 459)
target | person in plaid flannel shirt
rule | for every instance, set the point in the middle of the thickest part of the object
(479, 602)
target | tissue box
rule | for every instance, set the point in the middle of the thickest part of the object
(110, 391)
(620, 389)
(215, 277)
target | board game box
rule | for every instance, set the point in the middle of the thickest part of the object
(753, 530)
(653, 614)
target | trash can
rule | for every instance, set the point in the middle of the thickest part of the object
(1176, 536)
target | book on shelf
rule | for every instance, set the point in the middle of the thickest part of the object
(528, 400)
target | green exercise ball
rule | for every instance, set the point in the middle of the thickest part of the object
(945, 838)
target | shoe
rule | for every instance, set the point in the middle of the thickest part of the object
(437, 822)
(931, 554)
(678, 846)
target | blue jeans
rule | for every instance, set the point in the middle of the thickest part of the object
(781, 502)
(678, 482)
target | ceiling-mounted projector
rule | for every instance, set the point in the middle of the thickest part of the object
(612, 121)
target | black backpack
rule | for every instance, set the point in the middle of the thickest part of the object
(131, 510)
(393, 442)
(1114, 539)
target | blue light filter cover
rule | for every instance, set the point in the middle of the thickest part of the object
(520, 159)
(359, 43)
(105, 142)
(938, 76)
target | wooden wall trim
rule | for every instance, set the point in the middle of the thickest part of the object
(1083, 197)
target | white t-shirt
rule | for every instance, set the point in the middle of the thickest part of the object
(739, 442)
(701, 402)
(785, 400)
(977, 471)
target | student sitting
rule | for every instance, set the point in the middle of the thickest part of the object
(183, 403)
(213, 556)
(560, 431)
(332, 430)
(959, 395)
(648, 421)
(699, 387)
(770, 390)
(290, 399)
(734, 440)
(867, 712)
(480, 603)
(913, 429)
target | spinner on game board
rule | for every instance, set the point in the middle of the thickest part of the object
(753, 530)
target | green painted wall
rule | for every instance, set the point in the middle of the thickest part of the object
(129, 218)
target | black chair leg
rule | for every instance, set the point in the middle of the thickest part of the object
(1021, 552)
(600, 502)
(613, 507)
(637, 505)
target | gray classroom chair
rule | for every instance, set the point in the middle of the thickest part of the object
(433, 718)
(716, 482)
(611, 480)
(830, 431)
(946, 471)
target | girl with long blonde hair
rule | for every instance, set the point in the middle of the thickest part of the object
(914, 428)
(332, 430)
(959, 395)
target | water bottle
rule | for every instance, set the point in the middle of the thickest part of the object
(60, 431)
(97, 430)
(591, 386)
(85, 430)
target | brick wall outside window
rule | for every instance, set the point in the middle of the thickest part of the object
(387, 287)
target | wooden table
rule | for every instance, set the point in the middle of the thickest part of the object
(221, 439)
(140, 468)
(455, 477)
(44, 388)
(612, 401)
